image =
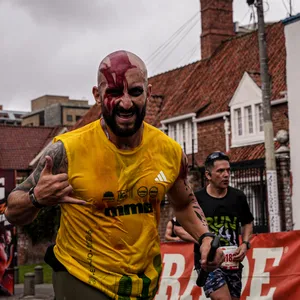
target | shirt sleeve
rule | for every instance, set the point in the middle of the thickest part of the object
(246, 216)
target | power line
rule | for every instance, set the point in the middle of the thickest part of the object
(170, 40)
(190, 53)
(193, 52)
(283, 2)
(245, 15)
(290, 10)
(175, 46)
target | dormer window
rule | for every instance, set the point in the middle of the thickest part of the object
(246, 114)
(248, 119)
(260, 117)
(238, 119)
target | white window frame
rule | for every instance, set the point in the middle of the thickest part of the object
(259, 117)
(184, 131)
(247, 138)
(247, 94)
(249, 118)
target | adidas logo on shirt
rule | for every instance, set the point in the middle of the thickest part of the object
(161, 177)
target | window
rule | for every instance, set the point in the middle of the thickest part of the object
(181, 136)
(238, 121)
(185, 133)
(78, 118)
(18, 116)
(248, 119)
(69, 118)
(246, 114)
(247, 125)
(259, 118)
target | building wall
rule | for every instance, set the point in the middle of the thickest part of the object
(293, 74)
(74, 112)
(78, 102)
(211, 137)
(53, 115)
(31, 120)
(44, 101)
(280, 117)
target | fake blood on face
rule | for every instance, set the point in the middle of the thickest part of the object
(119, 65)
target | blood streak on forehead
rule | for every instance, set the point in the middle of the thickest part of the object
(119, 65)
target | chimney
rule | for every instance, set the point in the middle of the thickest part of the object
(1, 107)
(217, 24)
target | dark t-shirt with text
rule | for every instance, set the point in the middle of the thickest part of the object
(225, 215)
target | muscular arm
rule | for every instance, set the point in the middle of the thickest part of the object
(186, 208)
(19, 209)
(168, 234)
(180, 232)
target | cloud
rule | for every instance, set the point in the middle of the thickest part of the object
(68, 13)
(55, 46)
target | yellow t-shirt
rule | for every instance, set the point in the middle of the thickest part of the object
(112, 243)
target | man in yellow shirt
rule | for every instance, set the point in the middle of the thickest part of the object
(110, 177)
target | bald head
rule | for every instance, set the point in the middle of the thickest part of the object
(114, 66)
(122, 92)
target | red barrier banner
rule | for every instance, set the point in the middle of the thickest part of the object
(8, 243)
(271, 269)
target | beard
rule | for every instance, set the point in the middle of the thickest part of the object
(110, 120)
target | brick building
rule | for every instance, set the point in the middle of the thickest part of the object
(50, 110)
(20, 148)
(212, 104)
(216, 103)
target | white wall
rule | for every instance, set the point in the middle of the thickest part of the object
(292, 36)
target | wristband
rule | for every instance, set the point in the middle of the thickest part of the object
(33, 199)
(204, 235)
(248, 245)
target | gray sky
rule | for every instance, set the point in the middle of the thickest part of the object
(54, 46)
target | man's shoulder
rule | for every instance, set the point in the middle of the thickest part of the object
(235, 191)
(200, 192)
(77, 132)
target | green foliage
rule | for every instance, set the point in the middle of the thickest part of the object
(30, 269)
(45, 226)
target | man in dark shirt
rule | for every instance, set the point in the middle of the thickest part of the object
(227, 211)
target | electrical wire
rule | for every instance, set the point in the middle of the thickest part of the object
(245, 15)
(191, 53)
(175, 46)
(287, 10)
(166, 43)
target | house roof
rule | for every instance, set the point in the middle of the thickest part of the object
(242, 154)
(91, 115)
(20, 144)
(207, 86)
(251, 152)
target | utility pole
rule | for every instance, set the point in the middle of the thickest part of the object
(272, 187)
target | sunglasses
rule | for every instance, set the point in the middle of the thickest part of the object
(216, 156)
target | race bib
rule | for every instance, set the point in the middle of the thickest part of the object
(228, 263)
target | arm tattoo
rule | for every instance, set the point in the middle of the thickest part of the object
(60, 165)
